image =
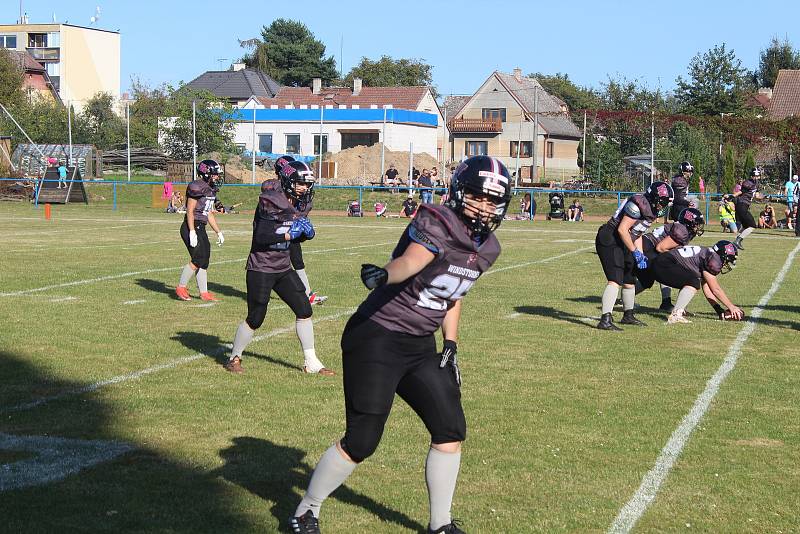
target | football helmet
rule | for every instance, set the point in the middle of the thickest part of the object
(727, 252)
(755, 173)
(660, 195)
(280, 162)
(687, 167)
(292, 173)
(211, 172)
(693, 219)
(483, 176)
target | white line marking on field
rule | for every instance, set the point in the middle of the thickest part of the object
(56, 458)
(646, 494)
(42, 248)
(140, 301)
(63, 299)
(573, 241)
(167, 365)
(513, 315)
(163, 269)
(203, 305)
(534, 262)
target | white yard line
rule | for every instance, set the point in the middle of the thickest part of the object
(634, 509)
(534, 262)
(167, 365)
(163, 269)
(43, 248)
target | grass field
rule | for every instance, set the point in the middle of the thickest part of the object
(564, 420)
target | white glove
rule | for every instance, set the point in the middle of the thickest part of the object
(192, 238)
(220, 239)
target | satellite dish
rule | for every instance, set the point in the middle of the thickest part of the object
(93, 19)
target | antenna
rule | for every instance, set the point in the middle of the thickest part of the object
(221, 61)
(93, 19)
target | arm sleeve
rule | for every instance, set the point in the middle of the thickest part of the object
(266, 231)
(680, 234)
(632, 210)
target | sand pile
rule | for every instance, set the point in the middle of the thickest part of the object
(238, 170)
(361, 165)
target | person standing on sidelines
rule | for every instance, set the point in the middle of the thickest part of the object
(388, 345)
(745, 197)
(789, 191)
(200, 197)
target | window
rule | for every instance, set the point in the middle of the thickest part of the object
(37, 40)
(8, 41)
(526, 149)
(351, 139)
(54, 39)
(324, 143)
(53, 69)
(265, 142)
(494, 114)
(476, 148)
(549, 149)
(292, 143)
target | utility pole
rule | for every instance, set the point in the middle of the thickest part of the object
(253, 152)
(128, 135)
(652, 145)
(194, 140)
(69, 130)
(383, 144)
(583, 167)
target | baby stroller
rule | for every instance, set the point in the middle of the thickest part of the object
(557, 207)
(354, 209)
(380, 209)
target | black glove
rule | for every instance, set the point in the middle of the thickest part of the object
(373, 276)
(449, 356)
(719, 309)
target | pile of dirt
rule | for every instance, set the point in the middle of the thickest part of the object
(238, 170)
(362, 164)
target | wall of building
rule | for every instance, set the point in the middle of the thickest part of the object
(90, 63)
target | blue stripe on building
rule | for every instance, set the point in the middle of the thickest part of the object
(397, 116)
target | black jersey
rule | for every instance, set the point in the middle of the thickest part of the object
(680, 187)
(269, 251)
(677, 231)
(205, 196)
(698, 259)
(636, 207)
(749, 189)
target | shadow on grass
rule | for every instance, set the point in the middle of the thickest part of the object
(552, 313)
(279, 474)
(158, 286)
(214, 347)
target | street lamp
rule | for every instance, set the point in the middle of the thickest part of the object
(719, 157)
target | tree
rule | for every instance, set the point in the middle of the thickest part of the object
(749, 162)
(100, 125)
(149, 104)
(213, 131)
(289, 53)
(689, 143)
(728, 169)
(778, 55)
(560, 85)
(11, 78)
(623, 94)
(388, 72)
(717, 83)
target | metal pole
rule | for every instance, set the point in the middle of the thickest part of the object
(253, 152)
(519, 149)
(652, 145)
(445, 142)
(10, 116)
(411, 168)
(194, 140)
(128, 118)
(69, 130)
(321, 121)
(583, 167)
(535, 147)
(383, 145)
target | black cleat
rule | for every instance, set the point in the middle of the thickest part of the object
(629, 318)
(666, 305)
(305, 524)
(607, 323)
(450, 528)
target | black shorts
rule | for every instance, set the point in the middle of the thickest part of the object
(669, 272)
(296, 255)
(645, 276)
(201, 254)
(377, 363)
(288, 287)
(617, 261)
(744, 217)
(676, 209)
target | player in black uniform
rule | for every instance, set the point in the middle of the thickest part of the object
(295, 251)
(388, 346)
(689, 224)
(744, 197)
(276, 224)
(200, 197)
(619, 247)
(689, 269)
(680, 186)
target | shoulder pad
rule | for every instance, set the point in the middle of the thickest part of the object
(632, 210)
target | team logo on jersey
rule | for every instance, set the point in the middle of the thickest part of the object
(472, 258)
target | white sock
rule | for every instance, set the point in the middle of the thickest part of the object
(610, 297)
(330, 473)
(441, 474)
(746, 232)
(685, 296)
(202, 280)
(304, 278)
(305, 333)
(628, 298)
(244, 335)
(186, 275)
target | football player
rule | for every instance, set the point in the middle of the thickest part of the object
(693, 267)
(744, 198)
(680, 185)
(276, 224)
(388, 345)
(296, 253)
(200, 197)
(689, 224)
(619, 247)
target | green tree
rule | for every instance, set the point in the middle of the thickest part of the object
(149, 104)
(716, 84)
(11, 78)
(749, 162)
(289, 53)
(689, 143)
(728, 169)
(576, 97)
(100, 125)
(778, 55)
(213, 132)
(389, 72)
(623, 94)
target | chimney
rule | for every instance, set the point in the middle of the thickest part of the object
(238, 66)
(316, 85)
(518, 74)
(356, 86)
(766, 91)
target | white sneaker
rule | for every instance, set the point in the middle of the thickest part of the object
(678, 316)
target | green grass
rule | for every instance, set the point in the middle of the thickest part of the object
(564, 420)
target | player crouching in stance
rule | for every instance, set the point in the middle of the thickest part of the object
(200, 197)
(618, 245)
(689, 224)
(689, 269)
(276, 224)
(388, 345)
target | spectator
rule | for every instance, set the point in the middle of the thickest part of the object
(425, 184)
(702, 188)
(390, 178)
(575, 211)
(409, 208)
(790, 190)
(727, 216)
(791, 215)
(738, 187)
(435, 178)
(525, 207)
(62, 176)
(414, 178)
(767, 218)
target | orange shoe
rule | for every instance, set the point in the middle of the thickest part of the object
(208, 295)
(182, 293)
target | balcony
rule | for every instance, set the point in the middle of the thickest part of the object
(476, 126)
(45, 54)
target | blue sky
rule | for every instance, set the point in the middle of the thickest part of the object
(176, 40)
